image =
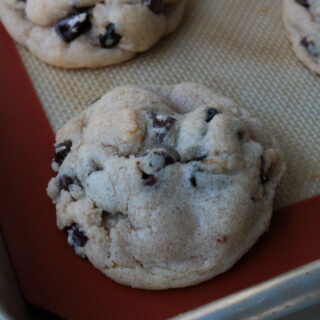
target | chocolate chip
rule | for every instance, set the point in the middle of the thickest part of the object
(201, 158)
(161, 122)
(168, 159)
(155, 6)
(77, 239)
(173, 153)
(304, 3)
(73, 26)
(211, 113)
(193, 181)
(222, 239)
(110, 38)
(240, 134)
(77, 236)
(155, 161)
(263, 176)
(64, 182)
(197, 176)
(310, 47)
(61, 151)
(149, 179)
(160, 136)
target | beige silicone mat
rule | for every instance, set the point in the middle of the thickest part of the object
(237, 47)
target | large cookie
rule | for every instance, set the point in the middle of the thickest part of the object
(302, 20)
(166, 186)
(89, 33)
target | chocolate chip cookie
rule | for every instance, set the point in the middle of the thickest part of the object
(164, 186)
(89, 33)
(302, 20)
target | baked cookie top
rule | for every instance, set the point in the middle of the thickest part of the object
(302, 21)
(89, 33)
(165, 186)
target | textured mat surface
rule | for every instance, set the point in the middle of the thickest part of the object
(239, 48)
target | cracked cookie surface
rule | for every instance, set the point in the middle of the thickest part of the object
(164, 186)
(302, 21)
(89, 33)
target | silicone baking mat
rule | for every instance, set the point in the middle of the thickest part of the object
(51, 276)
(240, 49)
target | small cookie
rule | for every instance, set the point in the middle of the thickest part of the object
(302, 21)
(89, 33)
(164, 186)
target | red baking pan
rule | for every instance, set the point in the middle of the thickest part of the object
(52, 277)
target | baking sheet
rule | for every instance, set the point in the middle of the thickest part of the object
(52, 277)
(296, 292)
(250, 63)
(239, 48)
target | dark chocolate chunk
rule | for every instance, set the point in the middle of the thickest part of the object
(201, 158)
(211, 113)
(155, 6)
(155, 161)
(222, 239)
(240, 134)
(311, 47)
(173, 153)
(160, 136)
(193, 181)
(304, 3)
(263, 175)
(168, 159)
(197, 172)
(77, 239)
(149, 179)
(110, 38)
(61, 151)
(64, 182)
(73, 26)
(162, 122)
